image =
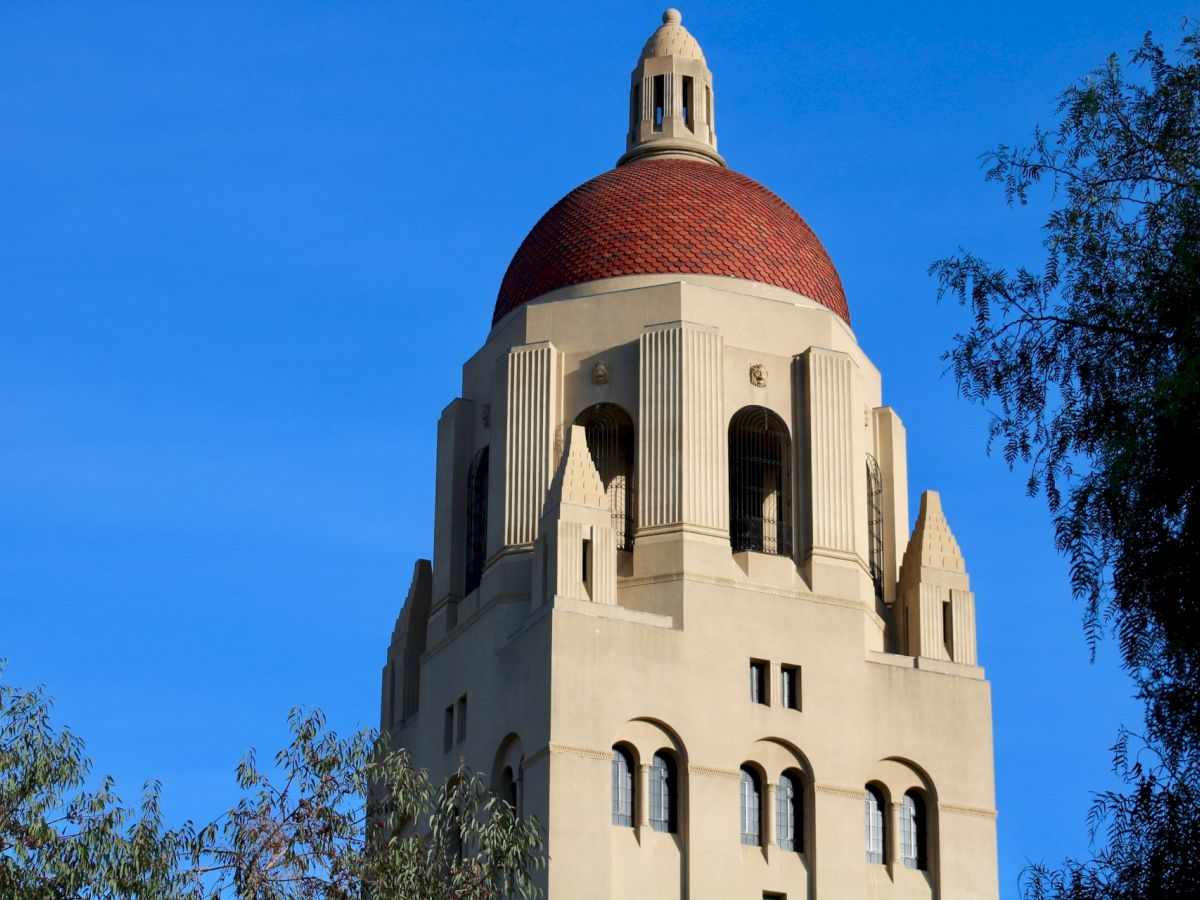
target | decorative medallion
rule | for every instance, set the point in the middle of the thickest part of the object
(758, 375)
(601, 373)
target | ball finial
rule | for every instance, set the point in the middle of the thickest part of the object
(672, 17)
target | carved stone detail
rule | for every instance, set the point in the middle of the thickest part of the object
(601, 373)
(758, 375)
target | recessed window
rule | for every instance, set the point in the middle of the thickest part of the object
(751, 808)
(912, 831)
(875, 524)
(758, 682)
(789, 806)
(462, 718)
(660, 98)
(874, 822)
(448, 728)
(664, 793)
(789, 687)
(477, 497)
(610, 442)
(760, 482)
(622, 788)
(688, 112)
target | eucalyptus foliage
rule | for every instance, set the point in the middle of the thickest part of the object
(1090, 365)
(334, 817)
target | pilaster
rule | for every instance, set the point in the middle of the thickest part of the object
(533, 400)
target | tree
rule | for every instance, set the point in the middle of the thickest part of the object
(1091, 368)
(343, 817)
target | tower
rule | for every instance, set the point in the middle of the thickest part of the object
(674, 609)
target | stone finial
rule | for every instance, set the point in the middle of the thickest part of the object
(671, 98)
(577, 482)
(932, 543)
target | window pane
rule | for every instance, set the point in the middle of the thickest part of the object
(622, 789)
(751, 809)
(785, 814)
(662, 794)
(874, 823)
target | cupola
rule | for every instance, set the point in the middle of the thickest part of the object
(671, 98)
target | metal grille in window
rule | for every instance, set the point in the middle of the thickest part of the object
(760, 482)
(610, 440)
(875, 523)
(477, 503)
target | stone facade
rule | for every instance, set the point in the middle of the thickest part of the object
(716, 587)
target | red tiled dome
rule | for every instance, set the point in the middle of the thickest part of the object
(671, 215)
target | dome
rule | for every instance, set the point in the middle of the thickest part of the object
(664, 215)
(672, 39)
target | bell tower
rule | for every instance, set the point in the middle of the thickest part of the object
(671, 98)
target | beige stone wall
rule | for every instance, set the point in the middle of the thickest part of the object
(553, 684)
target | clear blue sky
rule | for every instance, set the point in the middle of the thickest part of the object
(245, 247)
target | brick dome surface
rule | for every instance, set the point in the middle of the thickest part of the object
(671, 215)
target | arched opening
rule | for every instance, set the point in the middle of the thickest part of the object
(477, 503)
(609, 433)
(760, 482)
(622, 787)
(876, 832)
(913, 831)
(789, 812)
(664, 793)
(508, 787)
(875, 524)
(751, 807)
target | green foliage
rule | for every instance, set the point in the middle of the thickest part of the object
(1092, 371)
(340, 817)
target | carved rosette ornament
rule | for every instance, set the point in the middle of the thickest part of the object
(758, 375)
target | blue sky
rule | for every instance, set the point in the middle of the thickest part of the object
(245, 247)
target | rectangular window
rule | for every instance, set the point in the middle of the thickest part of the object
(789, 687)
(448, 729)
(688, 113)
(948, 629)
(462, 718)
(660, 98)
(758, 682)
(585, 569)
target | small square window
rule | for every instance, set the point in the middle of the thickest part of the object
(462, 718)
(758, 682)
(789, 687)
(767, 895)
(448, 728)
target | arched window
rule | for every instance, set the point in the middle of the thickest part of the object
(789, 813)
(477, 502)
(508, 787)
(875, 524)
(664, 793)
(913, 838)
(622, 787)
(751, 808)
(760, 482)
(610, 441)
(875, 829)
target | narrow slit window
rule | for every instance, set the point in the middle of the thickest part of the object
(477, 511)
(448, 729)
(948, 628)
(462, 718)
(660, 98)
(875, 524)
(688, 113)
(585, 569)
(758, 682)
(789, 687)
